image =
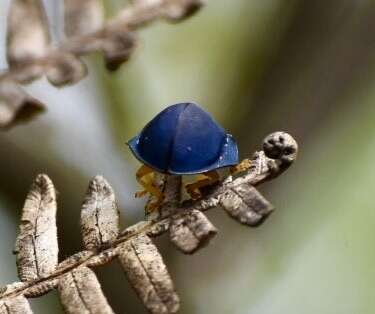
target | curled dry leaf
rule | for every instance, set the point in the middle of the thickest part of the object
(117, 46)
(83, 16)
(65, 69)
(99, 215)
(281, 146)
(16, 105)
(177, 10)
(148, 275)
(16, 305)
(36, 246)
(27, 34)
(191, 230)
(28, 49)
(246, 205)
(172, 10)
(80, 293)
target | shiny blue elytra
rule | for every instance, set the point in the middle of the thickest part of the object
(184, 139)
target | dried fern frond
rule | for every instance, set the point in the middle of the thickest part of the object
(31, 55)
(189, 229)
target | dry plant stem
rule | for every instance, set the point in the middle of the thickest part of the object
(126, 21)
(279, 145)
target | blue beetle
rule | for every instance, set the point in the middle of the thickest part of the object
(183, 139)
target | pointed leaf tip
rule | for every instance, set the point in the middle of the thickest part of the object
(36, 245)
(99, 215)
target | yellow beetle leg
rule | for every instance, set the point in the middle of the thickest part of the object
(203, 180)
(145, 176)
(241, 167)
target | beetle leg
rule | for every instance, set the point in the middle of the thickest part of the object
(241, 167)
(206, 179)
(145, 176)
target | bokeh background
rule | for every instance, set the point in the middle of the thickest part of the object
(305, 67)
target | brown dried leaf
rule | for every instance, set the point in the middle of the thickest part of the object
(27, 34)
(25, 74)
(246, 205)
(36, 246)
(117, 47)
(191, 230)
(99, 215)
(16, 105)
(65, 69)
(17, 305)
(173, 11)
(179, 10)
(80, 293)
(148, 275)
(82, 16)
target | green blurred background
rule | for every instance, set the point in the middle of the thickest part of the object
(305, 67)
